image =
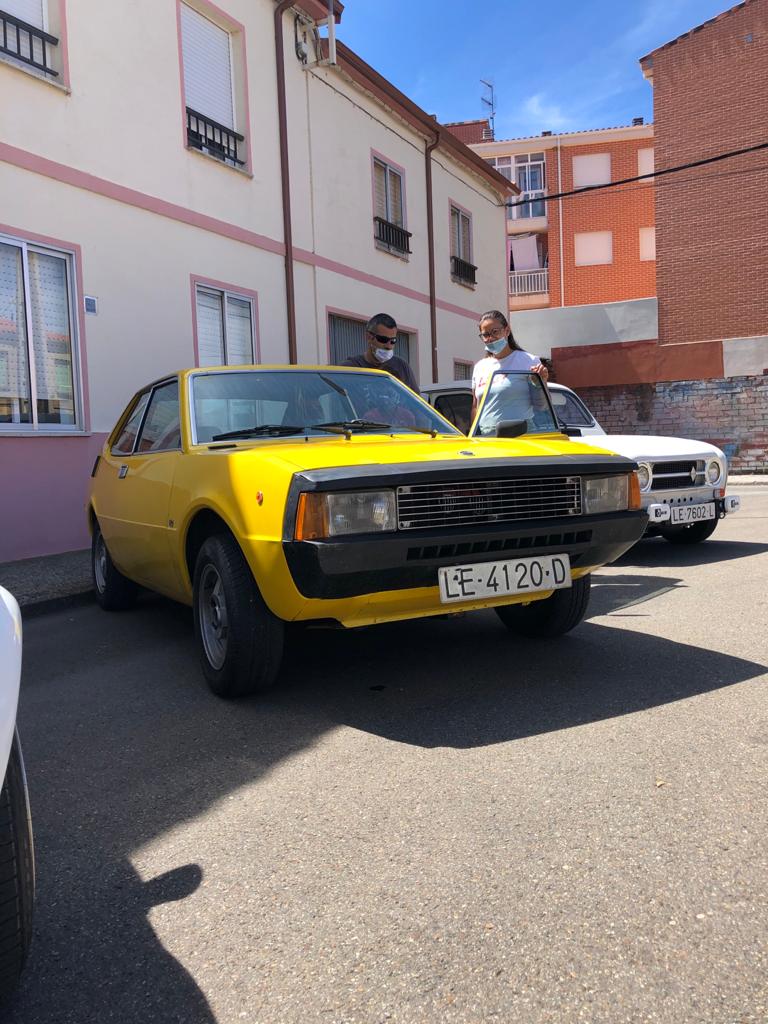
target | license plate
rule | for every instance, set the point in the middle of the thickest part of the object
(499, 579)
(692, 513)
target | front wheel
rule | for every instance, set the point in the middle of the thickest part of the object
(17, 872)
(114, 591)
(551, 617)
(693, 534)
(240, 641)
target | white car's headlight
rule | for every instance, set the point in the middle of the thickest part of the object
(714, 471)
(606, 494)
(340, 513)
(644, 476)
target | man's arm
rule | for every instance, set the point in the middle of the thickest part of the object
(410, 380)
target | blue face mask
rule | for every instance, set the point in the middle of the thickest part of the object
(494, 347)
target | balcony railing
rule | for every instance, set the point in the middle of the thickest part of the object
(392, 236)
(463, 272)
(26, 43)
(536, 207)
(529, 282)
(210, 137)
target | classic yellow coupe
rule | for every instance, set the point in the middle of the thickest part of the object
(267, 495)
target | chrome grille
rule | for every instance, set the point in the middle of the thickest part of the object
(677, 475)
(422, 506)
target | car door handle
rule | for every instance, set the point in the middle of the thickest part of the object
(122, 473)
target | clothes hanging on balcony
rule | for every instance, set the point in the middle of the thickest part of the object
(525, 252)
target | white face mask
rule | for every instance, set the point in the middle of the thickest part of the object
(383, 354)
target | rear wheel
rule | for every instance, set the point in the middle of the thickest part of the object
(17, 872)
(240, 641)
(114, 591)
(693, 534)
(551, 617)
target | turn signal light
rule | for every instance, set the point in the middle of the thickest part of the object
(311, 517)
(634, 492)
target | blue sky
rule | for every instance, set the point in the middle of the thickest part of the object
(556, 66)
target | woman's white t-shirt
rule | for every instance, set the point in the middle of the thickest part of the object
(509, 395)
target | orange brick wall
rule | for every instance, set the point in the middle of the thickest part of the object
(711, 95)
(623, 211)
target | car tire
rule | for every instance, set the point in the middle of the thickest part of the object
(114, 592)
(17, 872)
(551, 617)
(693, 534)
(240, 641)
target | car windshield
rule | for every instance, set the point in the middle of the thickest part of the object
(280, 403)
(514, 404)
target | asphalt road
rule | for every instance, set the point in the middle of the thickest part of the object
(427, 822)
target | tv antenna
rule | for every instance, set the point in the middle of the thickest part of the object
(488, 99)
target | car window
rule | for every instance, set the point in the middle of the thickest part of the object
(457, 409)
(515, 401)
(162, 428)
(570, 409)
(127, 436)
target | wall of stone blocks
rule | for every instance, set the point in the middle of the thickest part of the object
(730, 412)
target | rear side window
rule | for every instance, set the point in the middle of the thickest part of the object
(127, 436)
(570, 409)
(161, 431)
(456, 408)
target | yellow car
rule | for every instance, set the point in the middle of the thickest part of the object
(267, 495)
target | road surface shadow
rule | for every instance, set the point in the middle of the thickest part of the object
(124, 742)
(657, 553)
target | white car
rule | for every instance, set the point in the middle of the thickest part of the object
(682, 482)
(17, 861)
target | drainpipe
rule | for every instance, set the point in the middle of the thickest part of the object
(560, 221)
(290, 293)
(431, 251)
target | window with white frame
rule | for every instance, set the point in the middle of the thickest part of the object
(462, 370)
(38, 346)
(25, 36)
(462, 269)
(593, 248)
(209, 87)
(645, 161)
(389, 209)
(528, 171)
(594, 169)
(225, 327)
(647, 244)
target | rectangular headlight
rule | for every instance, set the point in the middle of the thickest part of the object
(606, 494)
(337, 514)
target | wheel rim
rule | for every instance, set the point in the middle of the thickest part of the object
(100, 564)
(212, 614)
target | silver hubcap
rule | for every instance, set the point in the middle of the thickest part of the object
(100, 564)
(212, 613)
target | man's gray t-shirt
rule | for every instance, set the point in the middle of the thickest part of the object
(396, 366)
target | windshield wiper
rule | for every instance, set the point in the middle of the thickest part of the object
(270, 429)
(346, 426)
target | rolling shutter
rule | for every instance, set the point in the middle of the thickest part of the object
(207, 67)
(380, 189)
(30, 11)
(210, 329)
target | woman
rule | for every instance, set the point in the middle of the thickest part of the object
(503, 353)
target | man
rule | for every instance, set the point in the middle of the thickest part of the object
(381, 335)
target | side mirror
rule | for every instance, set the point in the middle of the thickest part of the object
(569, 431)
(511, 428)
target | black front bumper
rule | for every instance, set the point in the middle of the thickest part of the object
(351, 566)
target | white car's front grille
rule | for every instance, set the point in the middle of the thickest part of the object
(678, 475)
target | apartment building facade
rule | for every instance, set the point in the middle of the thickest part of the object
(252, 193)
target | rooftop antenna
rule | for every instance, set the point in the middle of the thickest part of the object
(488, 99)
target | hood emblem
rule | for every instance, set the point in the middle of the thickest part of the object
(694, 474)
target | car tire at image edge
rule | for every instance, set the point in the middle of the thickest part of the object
(551, 617)
(17, 872)
(240, 641)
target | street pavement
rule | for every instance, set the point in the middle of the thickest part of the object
(424, 822)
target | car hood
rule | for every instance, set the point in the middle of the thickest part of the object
(365, 450)
(648, 447)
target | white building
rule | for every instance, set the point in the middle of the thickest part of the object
(145, 151)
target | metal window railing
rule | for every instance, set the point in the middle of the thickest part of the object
(463, 271)
(216, 139)
(26, 43)
(529, 282)
(392, 235)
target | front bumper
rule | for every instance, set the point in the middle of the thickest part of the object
(659, 512)
(406, 560)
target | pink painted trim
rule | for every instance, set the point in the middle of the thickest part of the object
(233, 289)
(73, 249)
(234, 28)
(375, 155)
(151, 204)
(122, 194)
(452, 204)
(64, 44)
(361, 318)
